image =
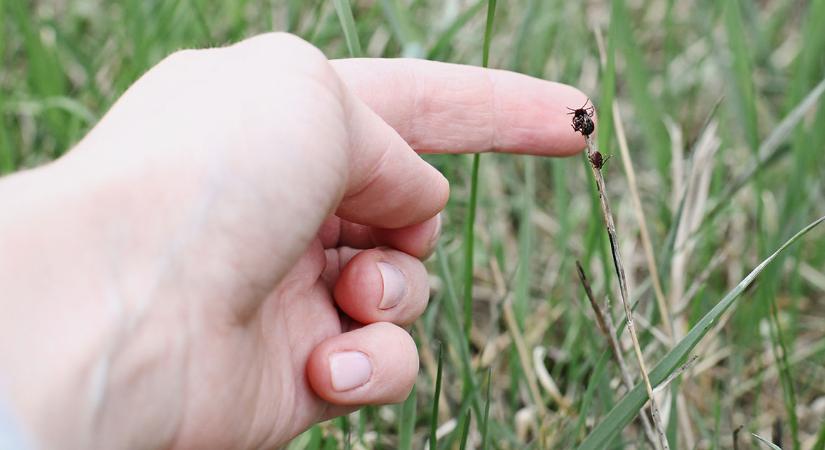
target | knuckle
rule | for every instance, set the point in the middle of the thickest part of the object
(278, 54)
(279, 39)
(184, 57)
(283, 46)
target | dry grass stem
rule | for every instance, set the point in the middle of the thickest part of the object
(664, 310)
(545, 379)
(624, 296)
(684, 421)
(695, 198)
(609, 330)
(812, 276)
(654, 331)
(526, 361)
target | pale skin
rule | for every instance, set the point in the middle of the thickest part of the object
(232, 253)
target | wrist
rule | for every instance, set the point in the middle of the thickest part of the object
(78, 362)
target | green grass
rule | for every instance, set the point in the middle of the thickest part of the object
(342, 7)
(820, 438)
(465, 429)
(780, 352)
(486, 419)
(469, 228)
(436, 398)
(626, 410)
(406, 421)
(516, 224)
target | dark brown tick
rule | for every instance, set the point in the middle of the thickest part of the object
(583, 119)
(597, 160)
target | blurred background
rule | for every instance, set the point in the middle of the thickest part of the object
(714, 116)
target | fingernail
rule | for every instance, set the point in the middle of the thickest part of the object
(349, 370)
(394, 285)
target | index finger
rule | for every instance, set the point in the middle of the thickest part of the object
(450, 108)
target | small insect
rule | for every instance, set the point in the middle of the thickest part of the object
(582, 119)
(596, 159)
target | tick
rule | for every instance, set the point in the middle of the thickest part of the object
(598, 160)
(583, 119)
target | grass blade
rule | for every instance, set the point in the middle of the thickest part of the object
(465, 429)
(769, 150)
(767, 443)
(436, 399)
(525, 243)
(442, 44)
(587, 398)
(488, 32)
(406, 422)
(742, 71)
(346, 431)
(7, 156)
(780, 353)
(820, 438)
(469, 247)
(469, 231)
(454, 331)
(403, 28)
(486, 411)
(45, 73)
(342, 7)
(638, 81)
(310, 439)
(630, 405)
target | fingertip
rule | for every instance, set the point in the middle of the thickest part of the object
(574, 142)
(556, 136)
(359, 286)
(375, 364)
(443, 190)
(383, 285)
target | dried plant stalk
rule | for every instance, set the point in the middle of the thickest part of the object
(664, 309)
(595, 159)
(606, 326)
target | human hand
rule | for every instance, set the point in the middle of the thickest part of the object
(176, 279)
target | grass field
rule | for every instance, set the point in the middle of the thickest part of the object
(713, 114)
